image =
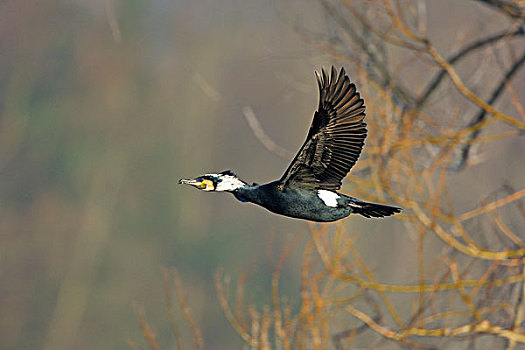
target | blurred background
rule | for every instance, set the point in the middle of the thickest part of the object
(104, 105)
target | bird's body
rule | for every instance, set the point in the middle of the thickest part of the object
(320, 205)
(297, 202)
(308, 188)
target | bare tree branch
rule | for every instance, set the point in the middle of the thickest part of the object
(420, 102)
(263, 138)
(507, 7)
(483, 113)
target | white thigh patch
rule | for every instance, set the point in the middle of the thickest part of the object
(328, 197)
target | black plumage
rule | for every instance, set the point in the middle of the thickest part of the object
(307, 190)
(335, 138)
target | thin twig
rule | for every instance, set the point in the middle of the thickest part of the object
(147, 331)
(506, 7)
(420, 101)
(198, 340)
(171, 312)
(263, 138)
(493, 205)
(519, 315)
(482, 327)
(469, 94)
(483, 112)
(112, 21)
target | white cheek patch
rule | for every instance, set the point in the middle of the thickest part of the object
(227, 183)
(328, 197)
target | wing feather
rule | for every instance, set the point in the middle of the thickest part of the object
(335, 138)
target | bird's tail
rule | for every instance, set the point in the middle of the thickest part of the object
(372, 210)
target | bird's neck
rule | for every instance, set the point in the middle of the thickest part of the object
(245, 188)
(246, 193)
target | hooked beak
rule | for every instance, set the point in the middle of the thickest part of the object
(192, 182)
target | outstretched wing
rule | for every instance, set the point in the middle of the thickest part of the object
(335, 139)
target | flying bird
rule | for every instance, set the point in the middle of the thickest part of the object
(308, 188)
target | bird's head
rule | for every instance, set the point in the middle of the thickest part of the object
(225, 181)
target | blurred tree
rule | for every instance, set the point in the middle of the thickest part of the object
(429, 116)
(105, 104)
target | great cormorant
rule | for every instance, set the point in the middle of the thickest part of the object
(308, 188)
